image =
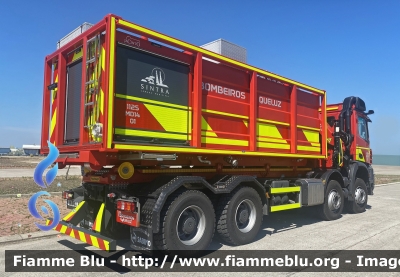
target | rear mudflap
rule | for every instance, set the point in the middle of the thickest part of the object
(91, 236)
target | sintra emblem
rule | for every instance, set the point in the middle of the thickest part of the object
(132, 41)
(154, 84)
(38, 178)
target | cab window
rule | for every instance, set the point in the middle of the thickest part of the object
(362, 128)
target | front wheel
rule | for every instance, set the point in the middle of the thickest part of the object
(360, 201)
(239, 216)
(333, 203)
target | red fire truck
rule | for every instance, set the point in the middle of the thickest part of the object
(179, 142)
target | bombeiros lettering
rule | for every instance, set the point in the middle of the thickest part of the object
(223, 90)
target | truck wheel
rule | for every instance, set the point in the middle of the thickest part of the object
(239, 216)
(187, 222)
(333, 203)
(360, 198)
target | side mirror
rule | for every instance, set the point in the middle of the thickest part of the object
(370, 112)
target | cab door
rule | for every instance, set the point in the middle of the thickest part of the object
(363, 151)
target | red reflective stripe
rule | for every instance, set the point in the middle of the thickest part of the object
(101, 244)
(58, 228)
(68, 231)
(88, 239)
(76, 233)
(94, 225)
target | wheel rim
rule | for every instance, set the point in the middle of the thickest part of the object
(334, 201)
(191, 225)
(360, 196)
(245, 216)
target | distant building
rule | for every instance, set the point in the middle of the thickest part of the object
(31, 149)
(5, 151)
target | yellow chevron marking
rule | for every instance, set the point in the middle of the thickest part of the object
(54, 94)
(273, 145)
(205, 126)
(99, 218)
(82, 236)
(77, 55)
(273, 122)
(272, 140)
(106, 244)
(72, 234)
(311, 136)
(172, 120)
(103, 58)
(268, 130)
(358, 152)
(308, 128)
(101, 101)
(53, 122)
(74, 211)
(63, 229)
(225, 141)
(144, 100)
(225, 114)
(94, 241)
(140, 133)
(308, 148)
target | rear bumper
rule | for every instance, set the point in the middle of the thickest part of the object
(85, 236)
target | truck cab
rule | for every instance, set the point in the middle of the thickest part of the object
(348, 138)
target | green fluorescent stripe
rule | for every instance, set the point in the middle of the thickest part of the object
(284, 190)
(285, 207)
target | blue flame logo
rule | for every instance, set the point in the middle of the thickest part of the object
(35, 213)
(38, 178)
(41, 167)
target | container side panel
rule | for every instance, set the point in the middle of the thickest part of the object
(152, 98)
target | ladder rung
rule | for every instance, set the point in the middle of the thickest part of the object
(91, 60)
(92, 90)
(92, 39)
(90, 82)
(89, 104)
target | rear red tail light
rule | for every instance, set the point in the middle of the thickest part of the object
(126, 206)
(67, 194)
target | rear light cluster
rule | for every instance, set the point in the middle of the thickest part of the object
(67, 194)
(126, 206)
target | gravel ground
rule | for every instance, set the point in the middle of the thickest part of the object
(16, 219)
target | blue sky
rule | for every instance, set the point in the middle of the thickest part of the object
(344, 47)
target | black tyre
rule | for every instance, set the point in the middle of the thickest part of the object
(334, 201)
(239, 216)
(187, 222)
(360, 198)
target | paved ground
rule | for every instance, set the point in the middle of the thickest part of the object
(386, 169)
(28, 172)
(376, 229)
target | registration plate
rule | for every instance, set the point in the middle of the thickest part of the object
(72, 204)
(86, 223)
